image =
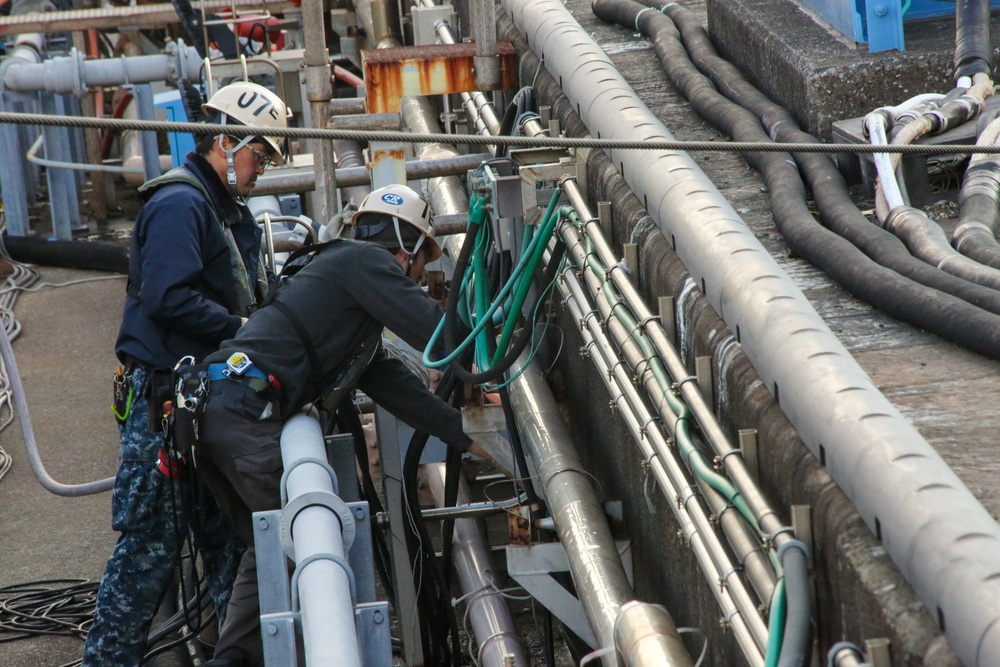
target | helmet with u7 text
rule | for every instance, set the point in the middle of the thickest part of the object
(251, 104)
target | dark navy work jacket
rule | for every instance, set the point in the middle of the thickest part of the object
(182, 298)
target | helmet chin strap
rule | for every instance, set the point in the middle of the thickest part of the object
(230, 165)
(409, 254)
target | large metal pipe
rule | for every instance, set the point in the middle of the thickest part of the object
(495, 633)
(324, 587)
(600, 579)
(282, 181)
(941, 538)
(73, 74)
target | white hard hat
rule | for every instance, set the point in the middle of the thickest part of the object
(404, 205)
(252, 104)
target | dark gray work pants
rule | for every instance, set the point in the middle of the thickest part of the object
(239, 459)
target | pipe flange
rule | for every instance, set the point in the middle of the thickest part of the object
(342, 562)
(307, 459)
(79, 78)
(311, 499)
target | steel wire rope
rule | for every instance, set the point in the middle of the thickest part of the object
(481, 140)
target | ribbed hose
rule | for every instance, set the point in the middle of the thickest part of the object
(898, 284)
(973, 53)
(979, 204)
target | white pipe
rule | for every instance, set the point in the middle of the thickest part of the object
(324, 589)
(32, 157)
(875, 123)
(941, 538)
(495, 633)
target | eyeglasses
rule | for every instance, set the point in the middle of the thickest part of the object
(262, 159)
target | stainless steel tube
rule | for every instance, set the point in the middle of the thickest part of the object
(579, 518)
(495, 633)
(319, 91)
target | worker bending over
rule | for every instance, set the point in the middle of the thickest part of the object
(319, 336)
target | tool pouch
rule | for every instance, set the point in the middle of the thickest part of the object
(159, 395)
(189, 404)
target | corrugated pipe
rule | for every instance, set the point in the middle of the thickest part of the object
(927, 241)
(973, 52)
(979, 204)
(495, 633)
(940, 537)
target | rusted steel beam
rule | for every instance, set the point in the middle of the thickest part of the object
(442, 69)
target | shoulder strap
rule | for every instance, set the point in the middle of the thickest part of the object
(178, 175)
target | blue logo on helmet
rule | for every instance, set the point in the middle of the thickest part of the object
(392, 200)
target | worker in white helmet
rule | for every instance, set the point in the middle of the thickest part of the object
(318, 338)
(195, 274)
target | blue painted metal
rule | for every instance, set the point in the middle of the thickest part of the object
(879, 23)
(885, 25)
(181, 143)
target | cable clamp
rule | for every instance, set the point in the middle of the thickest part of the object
(326, 499)
(323, 463)
(645, 427)
(676, 386)
(725, 455)
(334, 558)
(641, 12)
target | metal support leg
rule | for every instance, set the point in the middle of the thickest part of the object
(15, 199)
(143, 94)
(61, 182)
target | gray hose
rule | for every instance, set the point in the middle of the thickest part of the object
(30, 445)
(795, 643)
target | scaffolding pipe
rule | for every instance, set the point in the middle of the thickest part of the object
(941, 538)
(282, 181)
(477, 107)
(319, 90)
(495, 633)
(322, 575)
(600, 579)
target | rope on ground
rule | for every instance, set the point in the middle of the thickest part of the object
(21, 277)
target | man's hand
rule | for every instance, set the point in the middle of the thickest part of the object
(476, 449)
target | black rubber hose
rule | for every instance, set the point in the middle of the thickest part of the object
(89, 255)
(348, 420)
(435, 591)
(520, 339)
(896, 294)
(837, 210)
(973, 53)
(979, 213)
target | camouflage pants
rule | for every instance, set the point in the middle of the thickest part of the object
(153, 514)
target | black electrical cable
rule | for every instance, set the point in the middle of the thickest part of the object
(434, 593)
(348, 420)
(520, 339)
(896, 292)
(973, 52)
